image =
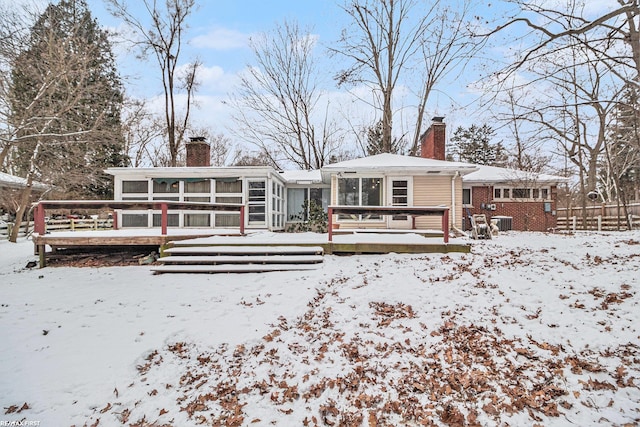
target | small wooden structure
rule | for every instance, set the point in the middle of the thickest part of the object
(413, 211)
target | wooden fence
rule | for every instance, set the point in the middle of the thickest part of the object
(6, 227)
(53, 225)
(599, 217)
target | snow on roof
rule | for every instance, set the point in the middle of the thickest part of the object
(387, 161)
(495, 174)
(302, 176)
(13, 181)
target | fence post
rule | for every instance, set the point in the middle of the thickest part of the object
(73, 224)
(630, 222)
(599, 222)
(574, 223)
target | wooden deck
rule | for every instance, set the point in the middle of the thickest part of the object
(368, 242)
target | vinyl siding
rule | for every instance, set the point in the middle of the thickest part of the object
(435, 191)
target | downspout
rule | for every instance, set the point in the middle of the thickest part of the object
(453, 198)
(454, 227)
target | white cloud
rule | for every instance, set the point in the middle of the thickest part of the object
(218, 38)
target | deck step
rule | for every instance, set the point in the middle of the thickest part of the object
(241, 259)
(245, 250)
(231, 268)
(238, 259)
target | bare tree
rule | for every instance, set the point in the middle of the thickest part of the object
(613, 37)
(142, 130)
(526, 152)
(402, 42)
(278, 102)
(163, 38)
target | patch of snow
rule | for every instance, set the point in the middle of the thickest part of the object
(551, 318)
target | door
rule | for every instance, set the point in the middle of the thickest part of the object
(400, 194)
(257, 203)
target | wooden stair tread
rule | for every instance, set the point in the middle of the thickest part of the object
(231, 268)
(249, 250)
(241, 259)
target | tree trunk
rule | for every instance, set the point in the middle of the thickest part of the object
(25, 197)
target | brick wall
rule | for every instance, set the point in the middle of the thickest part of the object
(527, 216)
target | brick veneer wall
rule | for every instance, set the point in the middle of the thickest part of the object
(527, 216)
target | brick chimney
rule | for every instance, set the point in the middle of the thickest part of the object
(432, 142)
(198, 152)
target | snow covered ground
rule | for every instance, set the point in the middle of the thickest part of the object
(528, 329)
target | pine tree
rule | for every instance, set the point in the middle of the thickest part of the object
(65, 101)
(375, 141)
(473, 145)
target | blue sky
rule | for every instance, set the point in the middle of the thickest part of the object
(218, 35)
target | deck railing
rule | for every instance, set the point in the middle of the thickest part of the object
(413, 211)
(115, 205)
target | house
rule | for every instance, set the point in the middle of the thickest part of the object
(519, 200)
(273, 199)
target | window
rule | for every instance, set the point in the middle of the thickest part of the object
(257, 202)
(228, 190)
(544, 193)
(135, 220)
(521, 193)
(166, 186)
(348, 191)
(228, 185)
(277, 205)
(227, 220)
(298, 201)
(203, 186)
(360, 192)
(197, 220)
(173, 220)
(135, 186)
(466, 196)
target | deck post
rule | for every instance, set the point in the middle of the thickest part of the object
(445, 225)
(163, 208)
(330, 216)
(242, 219)
(39, 219)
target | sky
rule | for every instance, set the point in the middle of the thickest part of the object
(219, 33)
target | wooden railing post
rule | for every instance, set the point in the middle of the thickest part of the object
(445, 225)
(330, 231)
(242, 208)
(39, 226)
(164, 220)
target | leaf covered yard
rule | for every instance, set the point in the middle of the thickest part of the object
(528, 329)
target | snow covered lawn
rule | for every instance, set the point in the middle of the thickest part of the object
(528, 329)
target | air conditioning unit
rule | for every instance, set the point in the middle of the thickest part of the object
(504, 222)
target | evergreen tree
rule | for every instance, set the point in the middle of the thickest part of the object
(473, 145)
(65, 101)
(375, 141)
